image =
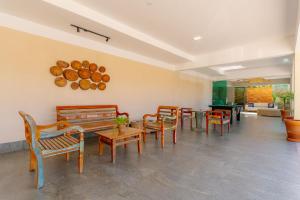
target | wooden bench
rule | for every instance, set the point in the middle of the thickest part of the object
(90, 117)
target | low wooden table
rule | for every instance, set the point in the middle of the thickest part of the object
(114, 138)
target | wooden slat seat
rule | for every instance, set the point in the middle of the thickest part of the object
(58, 143)
(157, 126)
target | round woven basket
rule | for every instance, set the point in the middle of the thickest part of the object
(74, 85)
(85, 64)
(62, 64)
(84, 73)
(93, 86)
(56, 70)
(105, 78)
(84, 84)
(60, 82)
(93, 67)
(101, 86)
(96, 77)
(75, 64)
(102, 69)
(70, 74)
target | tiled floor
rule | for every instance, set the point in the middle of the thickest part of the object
(253, 161)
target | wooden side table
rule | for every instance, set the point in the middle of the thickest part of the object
(114, 138)
(139, 125)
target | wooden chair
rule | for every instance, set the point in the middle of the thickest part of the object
(220, 117)
(186, 113)
(44, 142)
(166, 120)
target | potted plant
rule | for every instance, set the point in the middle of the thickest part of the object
(286, 97)
(121, 123)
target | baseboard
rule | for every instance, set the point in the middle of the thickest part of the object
(13, 146)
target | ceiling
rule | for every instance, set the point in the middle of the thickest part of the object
(256, 34)
(278, 67)
(221, 24)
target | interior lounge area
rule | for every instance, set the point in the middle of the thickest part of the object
(149, 99)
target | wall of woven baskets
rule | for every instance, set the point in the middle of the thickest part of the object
(83, 75)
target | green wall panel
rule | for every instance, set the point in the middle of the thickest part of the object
(219, 96)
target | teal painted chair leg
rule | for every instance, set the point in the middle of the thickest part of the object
(81, 152)
(39, 178)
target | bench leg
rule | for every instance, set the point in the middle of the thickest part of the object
(156, 135)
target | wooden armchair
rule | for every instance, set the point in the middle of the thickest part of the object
(186, 113)
(44, 143)
(219, 117)
(166, 119)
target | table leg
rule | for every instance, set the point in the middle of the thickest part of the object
(231, 117)
(113, 150)
(144, 136)
(196, 117)
(125, 145)
(101, 146)
(238, 114)
(139, 144)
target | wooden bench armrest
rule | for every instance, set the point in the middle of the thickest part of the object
(123, 113)
(67, 130)
(63, 124)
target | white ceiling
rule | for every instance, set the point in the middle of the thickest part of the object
(278, 67)
(43, 13)
(233, 31)
(221, 23)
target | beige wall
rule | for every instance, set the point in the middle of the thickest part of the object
(27, 85)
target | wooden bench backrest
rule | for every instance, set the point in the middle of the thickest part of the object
(87, 114)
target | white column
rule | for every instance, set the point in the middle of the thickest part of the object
(296, 85)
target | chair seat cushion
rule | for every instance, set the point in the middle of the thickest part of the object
(156, 125)
(60, 143)
(218, 121)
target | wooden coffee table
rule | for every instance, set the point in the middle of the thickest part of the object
(114, 138)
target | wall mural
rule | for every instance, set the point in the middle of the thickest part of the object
(260, 94)
(83, 75)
